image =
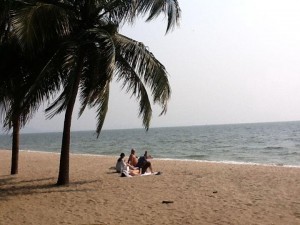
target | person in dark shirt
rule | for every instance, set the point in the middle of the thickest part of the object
(143, 164)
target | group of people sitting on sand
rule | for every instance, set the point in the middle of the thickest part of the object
(134, 165)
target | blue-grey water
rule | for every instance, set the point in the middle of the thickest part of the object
(262, 143)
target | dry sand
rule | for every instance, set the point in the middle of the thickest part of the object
(202, 193)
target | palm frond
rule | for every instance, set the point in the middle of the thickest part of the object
(102, 107)
(151, 71)
(16, 79)
(133, 84)
(7, 10)
(169, 7)
(4, 107)
(116, 11)
(99, 63)
(127, 10)
(71, 61)
(36, 24)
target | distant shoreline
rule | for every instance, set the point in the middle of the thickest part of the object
(168, 159)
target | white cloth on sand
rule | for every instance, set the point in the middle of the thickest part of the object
(125, 173)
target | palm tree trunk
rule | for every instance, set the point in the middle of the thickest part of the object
(63, 176)
(15, 147)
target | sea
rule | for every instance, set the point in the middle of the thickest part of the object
(276, 143)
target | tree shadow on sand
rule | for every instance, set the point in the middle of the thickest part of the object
(5, 179)
(11, 187)
(112, 170)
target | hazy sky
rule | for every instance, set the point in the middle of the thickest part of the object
(233, 61)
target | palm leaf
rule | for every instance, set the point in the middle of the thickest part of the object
(151, 71)
(98, 65)
(155, 7)
(127, 11)
(102, 106)
(37, 24)
(70, 70)
(133, 84)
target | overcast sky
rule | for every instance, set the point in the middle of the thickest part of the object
(233, 61)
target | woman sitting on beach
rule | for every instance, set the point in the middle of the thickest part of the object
(132, 160)
(122, 165)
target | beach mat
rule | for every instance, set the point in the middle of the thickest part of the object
(125, 173)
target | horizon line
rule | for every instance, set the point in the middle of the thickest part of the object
(156, 127)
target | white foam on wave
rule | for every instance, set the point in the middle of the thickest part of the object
(230, 162)
(36, 151)
(58, 153)
(183, 160)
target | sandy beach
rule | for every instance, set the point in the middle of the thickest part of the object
(201, 193)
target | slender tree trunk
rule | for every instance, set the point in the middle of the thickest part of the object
(63, 176)
(15, 147)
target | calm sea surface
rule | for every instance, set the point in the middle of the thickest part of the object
(262, 143)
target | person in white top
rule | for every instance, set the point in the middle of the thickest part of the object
(122, 165)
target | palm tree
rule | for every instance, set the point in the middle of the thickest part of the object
(15, 82)
(18, 73)
(9, 98)
(13, 72)
(90, 53)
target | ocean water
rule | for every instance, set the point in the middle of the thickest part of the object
(259, 143)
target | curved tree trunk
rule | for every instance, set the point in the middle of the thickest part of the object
(15, 147)
(63, 176)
